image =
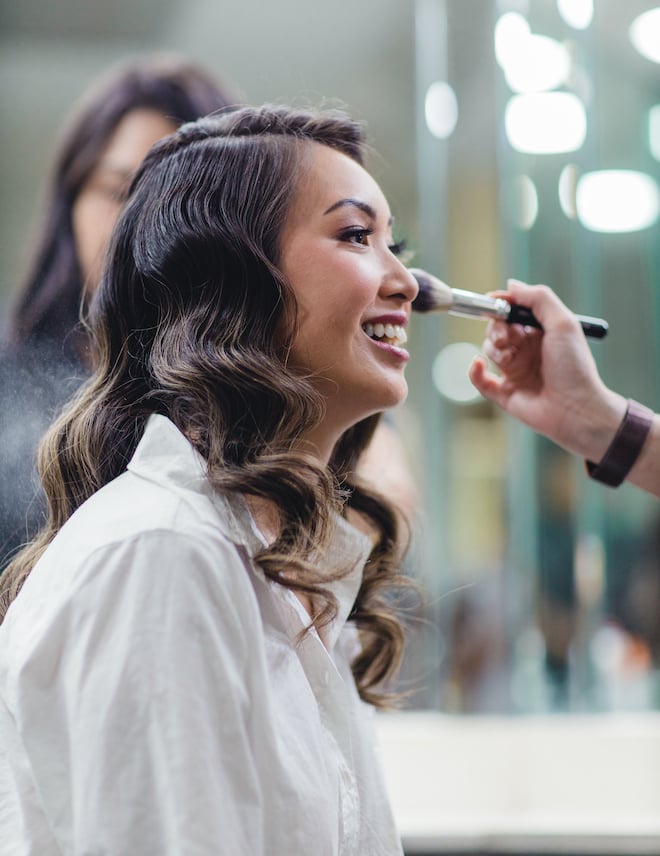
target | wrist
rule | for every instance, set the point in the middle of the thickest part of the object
(591, 429)
(625, 448)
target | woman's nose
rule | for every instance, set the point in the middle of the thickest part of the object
(400, 283)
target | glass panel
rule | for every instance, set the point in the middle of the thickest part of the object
(544, 587)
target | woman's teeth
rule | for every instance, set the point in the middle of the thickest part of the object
(393, 334)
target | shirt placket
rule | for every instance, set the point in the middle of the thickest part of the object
(335, 711)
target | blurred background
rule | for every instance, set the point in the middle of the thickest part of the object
(514, 138)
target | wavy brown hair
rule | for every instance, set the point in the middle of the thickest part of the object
(194, 320)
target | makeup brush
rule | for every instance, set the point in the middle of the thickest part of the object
(436, 296)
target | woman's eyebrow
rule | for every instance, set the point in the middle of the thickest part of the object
(356, 203)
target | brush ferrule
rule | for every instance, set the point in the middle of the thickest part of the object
(478, 305)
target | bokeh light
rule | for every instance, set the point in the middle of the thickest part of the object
(527, 199)
(450, 372)
(617, 200)
(441, 109)
(645, 34)
(567, 188)
(577, 13)
(545, 122)
(531, 63)
(654, 131)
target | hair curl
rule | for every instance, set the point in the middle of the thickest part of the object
(194, 320)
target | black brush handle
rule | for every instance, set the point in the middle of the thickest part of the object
(595, 328)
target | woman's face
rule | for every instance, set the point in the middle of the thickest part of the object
(97, 206)
(352, 291)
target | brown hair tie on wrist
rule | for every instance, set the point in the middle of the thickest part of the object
(624, 449)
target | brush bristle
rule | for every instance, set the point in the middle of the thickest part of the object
(433, 295)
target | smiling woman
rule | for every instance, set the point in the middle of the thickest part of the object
(349, 285)
(210, 604)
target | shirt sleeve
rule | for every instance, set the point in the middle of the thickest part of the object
(135, 705)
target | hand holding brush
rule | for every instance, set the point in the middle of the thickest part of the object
(436, 296)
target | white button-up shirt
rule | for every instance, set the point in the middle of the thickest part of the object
(155, 697)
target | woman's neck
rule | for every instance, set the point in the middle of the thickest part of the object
(320, 441)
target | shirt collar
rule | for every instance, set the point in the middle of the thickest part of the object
(165, 456)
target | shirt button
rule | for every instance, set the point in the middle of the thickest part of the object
(326, 678)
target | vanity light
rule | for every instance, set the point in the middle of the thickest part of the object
(617, 200)
(531, 63)
(577, 13)
(441, 109)
(545, 122)
(644, 33)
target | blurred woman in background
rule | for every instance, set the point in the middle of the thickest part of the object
(45, 354)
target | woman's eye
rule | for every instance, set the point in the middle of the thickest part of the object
(357, 236)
